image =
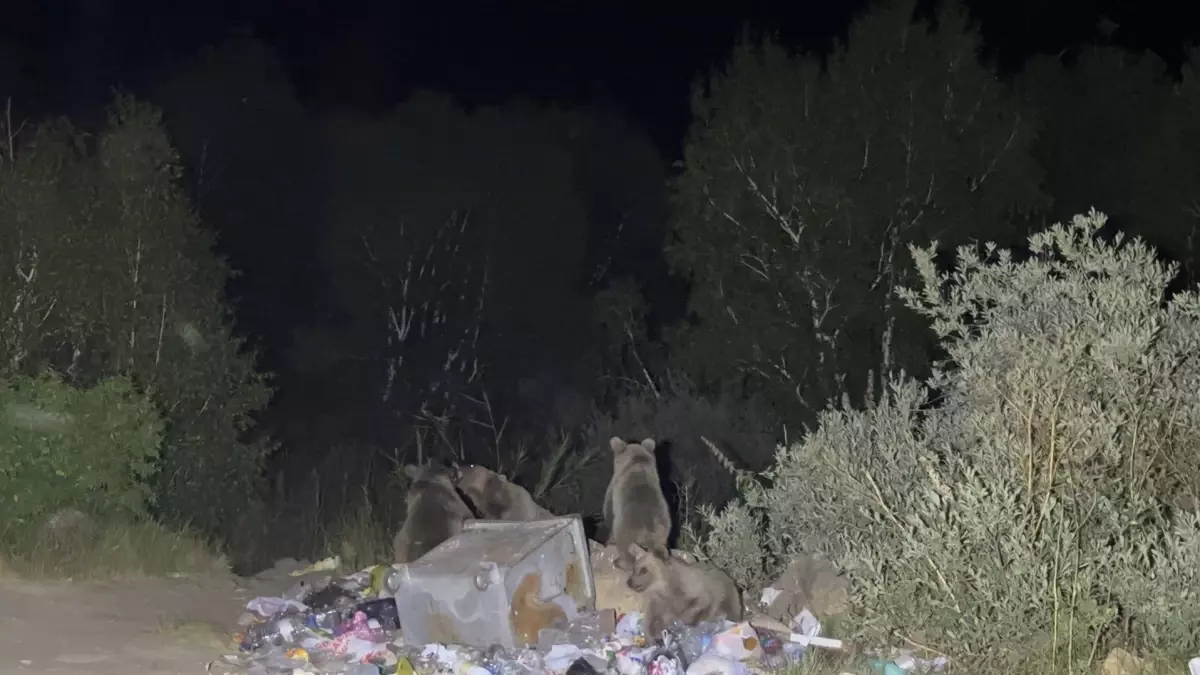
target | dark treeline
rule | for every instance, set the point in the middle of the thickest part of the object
(489, 280)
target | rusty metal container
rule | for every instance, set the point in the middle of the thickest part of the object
(496, 582)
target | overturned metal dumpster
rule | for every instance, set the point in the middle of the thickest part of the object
(496, 583)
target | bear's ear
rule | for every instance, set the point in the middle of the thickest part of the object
(412, 471)
(496, 495)
(637, 551)
(649, 445)
(617, 444)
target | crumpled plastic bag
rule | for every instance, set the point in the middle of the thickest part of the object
(561, 656)
(715, 664)
(648, 661)
(738, 642)
(450, 658)
(270, 606)
(629, 626)
(327, 565)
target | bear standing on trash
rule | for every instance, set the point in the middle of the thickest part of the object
(635, 509)
(435, 512)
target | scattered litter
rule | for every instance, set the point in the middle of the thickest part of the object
(499, 598)
(808, 633)
(739, 642)
(327, 565)
(902, 661)
(713, 664)
(270, 606)
(769, 595)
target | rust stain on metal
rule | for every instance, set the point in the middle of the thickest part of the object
(443, 629)
(529, 614)
(574, 584)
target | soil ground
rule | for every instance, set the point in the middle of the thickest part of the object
(179, 626)
(156, 626)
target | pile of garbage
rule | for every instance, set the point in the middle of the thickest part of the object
(351, 625)
(504, 598)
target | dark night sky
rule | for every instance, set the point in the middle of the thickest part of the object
(639, 56)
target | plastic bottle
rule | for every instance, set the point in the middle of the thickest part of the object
(693, 641)
(548, 637)
(509, 667)
(327, 619)
(589, 631)
(275, 632)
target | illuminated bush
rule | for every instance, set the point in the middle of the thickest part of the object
(92, 449)
(1035, 502)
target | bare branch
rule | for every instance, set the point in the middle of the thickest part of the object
(133, 309)
(432, 297)
(791, 224)
(10, 133)
(162, 324)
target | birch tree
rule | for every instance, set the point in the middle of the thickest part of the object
(431, 297)
(105, 270)
(803, 183)
(456, 253)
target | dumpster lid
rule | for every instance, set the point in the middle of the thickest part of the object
(500, 542)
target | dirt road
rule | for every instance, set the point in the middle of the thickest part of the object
(160, 627)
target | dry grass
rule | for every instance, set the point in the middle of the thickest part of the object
(358, 537)
(120, 550)
(851, 662)
(825, 662)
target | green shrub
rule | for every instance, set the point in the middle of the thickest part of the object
(94, 449)
(109, 271)
(1041, 510)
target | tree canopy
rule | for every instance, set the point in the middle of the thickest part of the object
(803, 182)
(108, 271)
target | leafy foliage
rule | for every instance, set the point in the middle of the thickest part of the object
(1013, 524)
(804, 181)
(93, 449)
(109, 272)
